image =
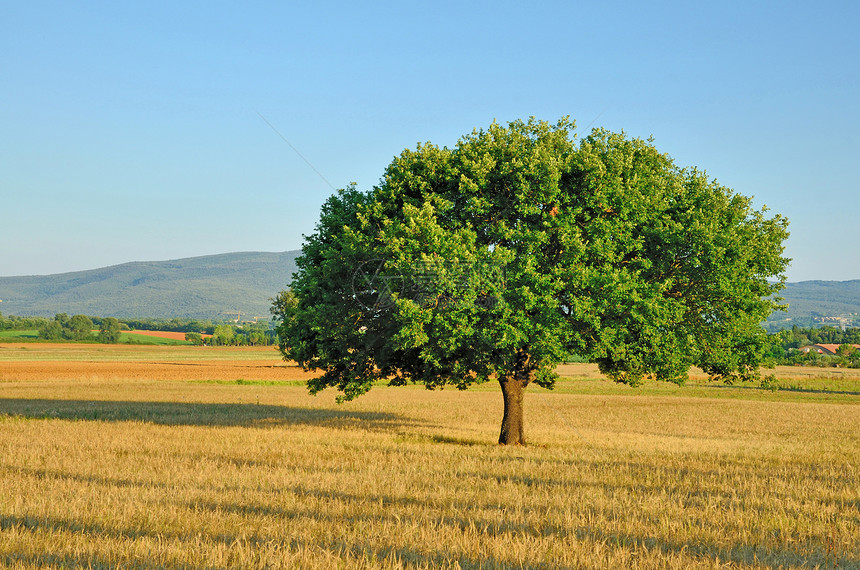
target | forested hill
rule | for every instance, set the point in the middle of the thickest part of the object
(195, 287)
(207, 287)
(816, 303)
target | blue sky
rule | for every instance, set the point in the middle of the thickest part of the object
(130, 131)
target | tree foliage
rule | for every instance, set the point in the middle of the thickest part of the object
(501, 257)
(109, 332)
(51, 330)
(80, 327)
(224, 335)
(785, 345)
(194, 338)
(16, 323)
(77, 327)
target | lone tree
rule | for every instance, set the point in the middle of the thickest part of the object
(79, 327)
(503, 256)
(110, 331)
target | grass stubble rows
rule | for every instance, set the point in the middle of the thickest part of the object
(114, 469)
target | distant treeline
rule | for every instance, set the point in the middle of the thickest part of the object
(174, 325)
(797, 337)
(109, 329)
(786, 344)
(13, 323)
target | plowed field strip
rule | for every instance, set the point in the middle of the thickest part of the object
(164, 334)
(225, 370)
(122, 353)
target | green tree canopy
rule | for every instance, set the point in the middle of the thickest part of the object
(194, 338)
(52, 330)
(79, 327)
(224, 335)
(846, 350)
(109, 331)
(502, 256)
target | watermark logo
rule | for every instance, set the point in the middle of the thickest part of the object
(373, 288)
(428, 283)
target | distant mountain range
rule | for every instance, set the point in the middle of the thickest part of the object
(817, 303)
(217, 286)
(209, 287)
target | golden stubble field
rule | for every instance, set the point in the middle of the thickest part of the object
(190, 457)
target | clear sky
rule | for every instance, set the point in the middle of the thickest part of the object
(131, 131)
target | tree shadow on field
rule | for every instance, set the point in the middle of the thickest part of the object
(357, 553)
(59, 526)
(49, 560)
(197, 414)
(391, 511)
(798, 389)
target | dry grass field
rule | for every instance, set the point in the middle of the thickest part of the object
(195, 457)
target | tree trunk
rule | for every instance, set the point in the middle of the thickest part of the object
(513, 389)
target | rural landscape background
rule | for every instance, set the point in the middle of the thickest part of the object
(215, 286)
(151, 453)
(198, 287)
(146, 419)
(117, 456)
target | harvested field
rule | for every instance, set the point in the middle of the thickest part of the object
(226, 370)
(163, 334)
(28, 362)
(192, 457)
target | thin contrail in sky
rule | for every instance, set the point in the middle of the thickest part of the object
(587, 126)
(283, 138)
